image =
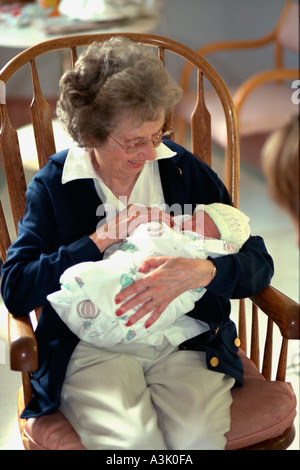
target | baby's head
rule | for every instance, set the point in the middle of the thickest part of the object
(201, 223)
(223, 222)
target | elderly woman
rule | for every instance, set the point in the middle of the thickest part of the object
(171, 395)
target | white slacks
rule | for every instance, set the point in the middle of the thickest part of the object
(143, 397)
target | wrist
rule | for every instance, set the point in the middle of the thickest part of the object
(214, 271)
(211, 272)
(101, 242)
(205, 272)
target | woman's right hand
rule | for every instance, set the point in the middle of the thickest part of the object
(125, 223)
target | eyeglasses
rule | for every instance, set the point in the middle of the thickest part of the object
(134, 148)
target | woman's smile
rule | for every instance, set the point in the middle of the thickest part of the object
(137, 163)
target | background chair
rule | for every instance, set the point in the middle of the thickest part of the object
(263, 102)
(263, 410)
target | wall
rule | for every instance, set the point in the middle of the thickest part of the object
(194, 23)
(197, 22)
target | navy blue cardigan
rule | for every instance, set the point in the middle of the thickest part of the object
(53, 235)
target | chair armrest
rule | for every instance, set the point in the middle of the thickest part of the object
(260, 79)
(215, 47)
(23, 344)
(281, 309)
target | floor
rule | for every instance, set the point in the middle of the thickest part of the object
(266, 220)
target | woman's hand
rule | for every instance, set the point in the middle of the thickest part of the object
(125, 223)
(166, 279)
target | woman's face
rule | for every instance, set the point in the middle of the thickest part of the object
(113, 158)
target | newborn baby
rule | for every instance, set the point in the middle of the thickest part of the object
(85, 301)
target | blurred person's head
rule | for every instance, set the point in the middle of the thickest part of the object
(280, 160)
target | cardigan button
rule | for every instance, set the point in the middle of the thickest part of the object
(237, 342)
(214, 361)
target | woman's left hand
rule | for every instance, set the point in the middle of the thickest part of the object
(166, 278)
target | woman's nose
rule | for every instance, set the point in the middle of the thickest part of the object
(149, 152)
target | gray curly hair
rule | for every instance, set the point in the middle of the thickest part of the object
(111, 77)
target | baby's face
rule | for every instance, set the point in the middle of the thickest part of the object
(201, 223)
(194, 223)
(189, 224)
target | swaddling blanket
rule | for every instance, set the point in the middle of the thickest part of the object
(86, 304)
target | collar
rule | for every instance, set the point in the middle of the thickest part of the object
(78, 163)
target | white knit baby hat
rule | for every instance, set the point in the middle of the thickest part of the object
(233, 224)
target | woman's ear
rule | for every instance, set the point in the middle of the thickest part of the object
(88, 143)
